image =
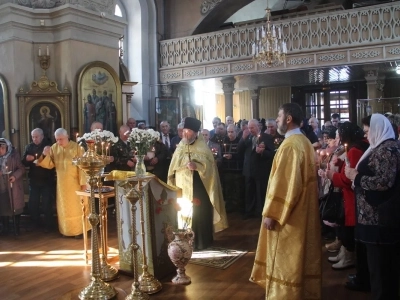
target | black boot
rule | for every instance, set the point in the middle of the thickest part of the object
(6, 225)
(17, 219)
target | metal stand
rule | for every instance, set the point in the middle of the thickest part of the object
(108, 272)
(92, 164)
(146, 283)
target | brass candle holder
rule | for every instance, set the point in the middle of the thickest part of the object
(108, 272)
(146, 283)
(92, 164)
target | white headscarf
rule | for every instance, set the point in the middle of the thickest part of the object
(380, 130)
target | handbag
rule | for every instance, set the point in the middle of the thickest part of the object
(331, 206)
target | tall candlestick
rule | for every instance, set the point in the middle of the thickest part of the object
(188, 148)
(77, 145)
(102, 148)
(107, 151)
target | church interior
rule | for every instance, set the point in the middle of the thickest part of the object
(156, 60)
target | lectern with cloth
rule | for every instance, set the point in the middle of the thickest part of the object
(160, 212)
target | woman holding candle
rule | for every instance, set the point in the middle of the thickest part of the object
(376, 178)
(11, 185)
(353, 136)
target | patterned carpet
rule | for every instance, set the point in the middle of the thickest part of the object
(215, 257)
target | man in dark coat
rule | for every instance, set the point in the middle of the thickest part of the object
(41, 182)
(258, 150)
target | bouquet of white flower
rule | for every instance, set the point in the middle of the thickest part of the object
(142, 140)
(99, 136)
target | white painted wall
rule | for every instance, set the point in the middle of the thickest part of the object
(141, 52)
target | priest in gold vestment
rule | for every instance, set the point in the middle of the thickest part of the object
(288, 256)
(194, 170)
(69, 179)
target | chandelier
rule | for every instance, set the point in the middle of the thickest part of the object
(269, 47)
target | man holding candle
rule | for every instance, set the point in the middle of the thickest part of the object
(232, 179)
(41, 182)
(193, 170)
(69, 179)
(258, 151)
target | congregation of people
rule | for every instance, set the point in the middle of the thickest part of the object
(274, 169)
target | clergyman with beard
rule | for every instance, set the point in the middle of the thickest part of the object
(288, 257)
(193, 169)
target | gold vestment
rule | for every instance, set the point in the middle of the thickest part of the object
(288, 259)
(179, 175)
(69, 179)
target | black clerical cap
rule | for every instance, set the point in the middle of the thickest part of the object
(3, 141)
(192, 123)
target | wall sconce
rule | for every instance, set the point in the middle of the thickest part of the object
(44, 59)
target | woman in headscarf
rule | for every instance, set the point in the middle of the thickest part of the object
(352, 137)
(376, 177)
(11, 185)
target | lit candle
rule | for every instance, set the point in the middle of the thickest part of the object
(95, 148)
(225, 147)
(345, 148)
(36, 156)
(102, 148)
(106, 151)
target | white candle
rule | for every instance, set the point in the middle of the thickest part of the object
(40, 51)
(47, 51)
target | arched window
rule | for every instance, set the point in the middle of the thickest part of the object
(120, 12)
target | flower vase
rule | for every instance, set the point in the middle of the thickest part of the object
(140, 168)
(180, 251)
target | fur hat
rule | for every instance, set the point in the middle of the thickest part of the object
(192, 124)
